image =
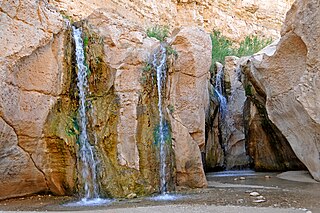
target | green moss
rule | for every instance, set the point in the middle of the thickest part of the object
(171, 108)
(248, 90)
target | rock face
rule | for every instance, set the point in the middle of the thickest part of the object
(189, 99)
(233, 133)
(235, 19)
(39, 104)
(245, 137)
(289, 76)
(30, 81)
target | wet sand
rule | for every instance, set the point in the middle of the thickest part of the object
(225, 193)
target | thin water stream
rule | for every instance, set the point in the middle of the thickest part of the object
(88, 163)
(219, 91)
(159, 62)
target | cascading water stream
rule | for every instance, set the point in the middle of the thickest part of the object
(219, 91)
(88, 163)
(159, 62)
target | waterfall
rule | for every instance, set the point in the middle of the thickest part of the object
(219, 91)
(86, 153)
(159, 62)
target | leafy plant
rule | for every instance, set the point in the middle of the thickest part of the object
(221, 47)
(251, 45)
(158, 32)
(146, 73)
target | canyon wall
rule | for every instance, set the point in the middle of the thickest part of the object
(31, 78)
(39, 104)
(288, 75)
(234, 18)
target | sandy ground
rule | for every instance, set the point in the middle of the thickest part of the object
(193, 208)
(229, 193)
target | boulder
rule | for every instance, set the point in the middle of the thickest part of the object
(289, 76)
(189, 98)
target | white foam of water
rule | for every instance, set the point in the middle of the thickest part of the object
(166, 197)
(86, 152)
(89, 202)
(232, 173)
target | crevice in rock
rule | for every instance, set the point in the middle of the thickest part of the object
(30, 156)
(35, 165)
(195, 76)
(32, 90)
(183, 126)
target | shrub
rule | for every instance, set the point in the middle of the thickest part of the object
(251, 45)
(171, 51)
(158, 32)
(222, 47)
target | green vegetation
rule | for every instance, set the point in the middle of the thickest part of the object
(171, 51)
(146, 73)
(222, 47)
(171, 108)
(166, 133)
(251, 45)
(159, 32)
(72, 127)
(86, 50)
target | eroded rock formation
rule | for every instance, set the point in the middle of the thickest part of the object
(189, 98)
(30, 81)
(39, 104)
(289, 77)
(235, 19)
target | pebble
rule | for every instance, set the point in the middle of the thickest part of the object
(132, 195)
(259, 201)
(260, 198)
(267, 176)
(242, 178)
(235, 179)
(254, 194)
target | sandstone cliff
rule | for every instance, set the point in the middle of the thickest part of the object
(39, 102)
(234, 18)
(30, 80)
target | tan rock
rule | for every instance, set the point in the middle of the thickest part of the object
(126, 50)
(189, 97)
(235, 19)
(31, 79)
(19, 174)
(290, 79)
(189, 168)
